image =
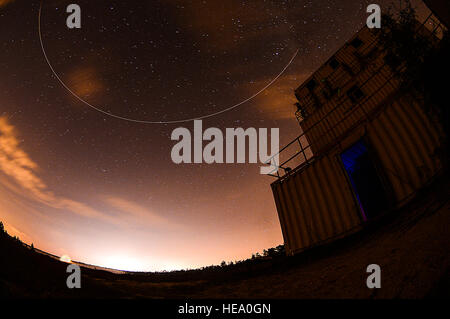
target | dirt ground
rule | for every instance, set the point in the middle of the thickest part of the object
(411, 245)
(412, 250)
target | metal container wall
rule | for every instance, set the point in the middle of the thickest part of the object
(317, 203)
(406, 143)
(361, 67)
(315, 200)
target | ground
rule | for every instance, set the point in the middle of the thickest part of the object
(410, 244)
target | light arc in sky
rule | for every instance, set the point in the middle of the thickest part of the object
(143, 121)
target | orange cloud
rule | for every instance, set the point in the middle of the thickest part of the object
(13, 231)
(85, 82)
(134, 213)
(277, 101)
(17, 164)
(5, 2)
(228, 23)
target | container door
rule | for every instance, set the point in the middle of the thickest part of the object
(365, 181)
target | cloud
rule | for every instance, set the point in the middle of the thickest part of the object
(228, 24)
(85, 82)
(16, 163)
(133, 212)
(18, 166)
(13, 231)
(5, 2)
(277, 101)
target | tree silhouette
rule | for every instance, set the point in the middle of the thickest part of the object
(424, 61)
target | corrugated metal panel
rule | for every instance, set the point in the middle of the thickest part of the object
(335, 115)
(405, 141)
(317, 203)
(441, 9)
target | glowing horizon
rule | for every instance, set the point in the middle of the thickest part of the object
(104, 191)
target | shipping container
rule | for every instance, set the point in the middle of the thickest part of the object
(366, 147)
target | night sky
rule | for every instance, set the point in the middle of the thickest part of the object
(105, 191)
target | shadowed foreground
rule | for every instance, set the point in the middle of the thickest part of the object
(411, 246)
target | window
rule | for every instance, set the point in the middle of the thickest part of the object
(301, 112)
(326, 94)
(356, 43)
(355, 94)
(334, 63)
(311, 85)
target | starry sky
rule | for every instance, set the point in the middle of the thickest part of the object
(104, 191)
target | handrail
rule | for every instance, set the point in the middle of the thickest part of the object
(357, 106)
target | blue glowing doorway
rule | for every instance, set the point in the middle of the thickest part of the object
(365, 181)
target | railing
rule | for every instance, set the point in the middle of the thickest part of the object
(302, 148)
(336, 76)
(304, 153)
